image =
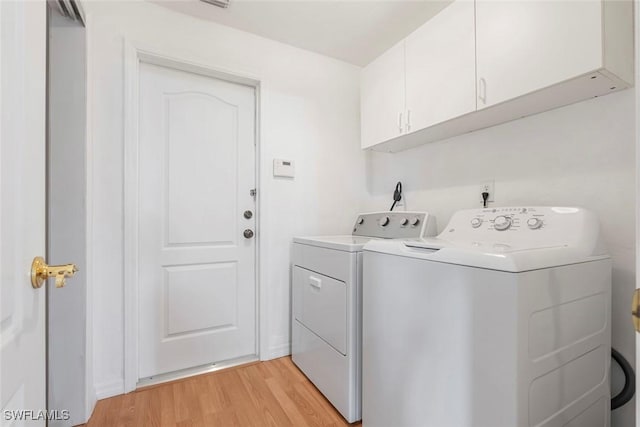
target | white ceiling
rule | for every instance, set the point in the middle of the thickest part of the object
(352, 31)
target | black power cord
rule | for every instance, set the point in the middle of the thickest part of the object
(397, 195)
(485, 197)
(629, 389)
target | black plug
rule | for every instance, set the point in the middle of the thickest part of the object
(485, 197)
(397, 195)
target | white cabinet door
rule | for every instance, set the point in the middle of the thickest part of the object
(440, 67)
(523, 46)
(23, 27)
(197, 267)
(382, 101)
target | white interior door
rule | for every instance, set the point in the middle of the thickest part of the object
(22, 218)
(197, 299)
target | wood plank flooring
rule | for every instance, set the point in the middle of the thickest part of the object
(273, 393)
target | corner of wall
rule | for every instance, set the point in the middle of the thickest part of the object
(277, 351)
(109, 388)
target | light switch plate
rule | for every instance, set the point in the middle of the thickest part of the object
(283, 168)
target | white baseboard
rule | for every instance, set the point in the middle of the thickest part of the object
(109, 388)
(278, 351)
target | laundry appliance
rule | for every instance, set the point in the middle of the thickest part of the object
(503, 320)
(327, 301)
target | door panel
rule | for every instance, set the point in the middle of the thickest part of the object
(195, 122)
(22, 197)
(206, 292)
(197, 300)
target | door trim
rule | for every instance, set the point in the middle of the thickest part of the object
(134, 54)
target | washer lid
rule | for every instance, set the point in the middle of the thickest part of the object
(510, 239)
(347, 243)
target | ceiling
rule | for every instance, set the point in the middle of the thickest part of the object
(352, 31)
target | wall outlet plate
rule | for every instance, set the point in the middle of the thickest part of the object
(489, 187)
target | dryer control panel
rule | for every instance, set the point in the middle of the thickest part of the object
(395, 225)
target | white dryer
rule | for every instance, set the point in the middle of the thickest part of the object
(327, 303)
(503, 320)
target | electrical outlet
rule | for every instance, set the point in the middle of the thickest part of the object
(489, 187)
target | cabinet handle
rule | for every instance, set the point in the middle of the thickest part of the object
(315, 282)
(482, 90)
(408, 120)
(400, 122)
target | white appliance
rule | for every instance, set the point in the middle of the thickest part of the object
(503, 320)
(327, 301)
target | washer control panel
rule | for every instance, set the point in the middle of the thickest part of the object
(395, 225)
(522, 227)
(508, 219)
(506, 229)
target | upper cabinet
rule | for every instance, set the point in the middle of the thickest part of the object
(423, 80)
(484, 62)
(382, 98)
(440, 68)
(524, 46)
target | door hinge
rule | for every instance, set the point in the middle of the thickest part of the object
(635, 309)
(253, 192)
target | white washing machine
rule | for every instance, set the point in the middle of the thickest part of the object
(327, 303)
(503, 320)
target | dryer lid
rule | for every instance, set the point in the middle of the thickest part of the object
(347, 243)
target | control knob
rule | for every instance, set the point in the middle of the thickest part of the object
(414, 221)
(404, 221)
(502, 222)
(534, 223)
(476, 222)
(384, 221)
(360, 221)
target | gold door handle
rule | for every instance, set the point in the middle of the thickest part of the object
(40, 272)
(635, 309)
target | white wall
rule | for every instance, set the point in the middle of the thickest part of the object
(578, 155)
(309, 113)
(582, 155)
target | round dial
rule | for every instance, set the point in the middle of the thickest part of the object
(360, 221)
(502, 223)
(534, 223)
(476, 222)
(384, 221)
(404, 221)
(415, 221)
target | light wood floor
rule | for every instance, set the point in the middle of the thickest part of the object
(273, 393)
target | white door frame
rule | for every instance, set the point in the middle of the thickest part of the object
(134, 54)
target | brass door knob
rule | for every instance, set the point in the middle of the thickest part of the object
(635, 309)
(40, 272)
